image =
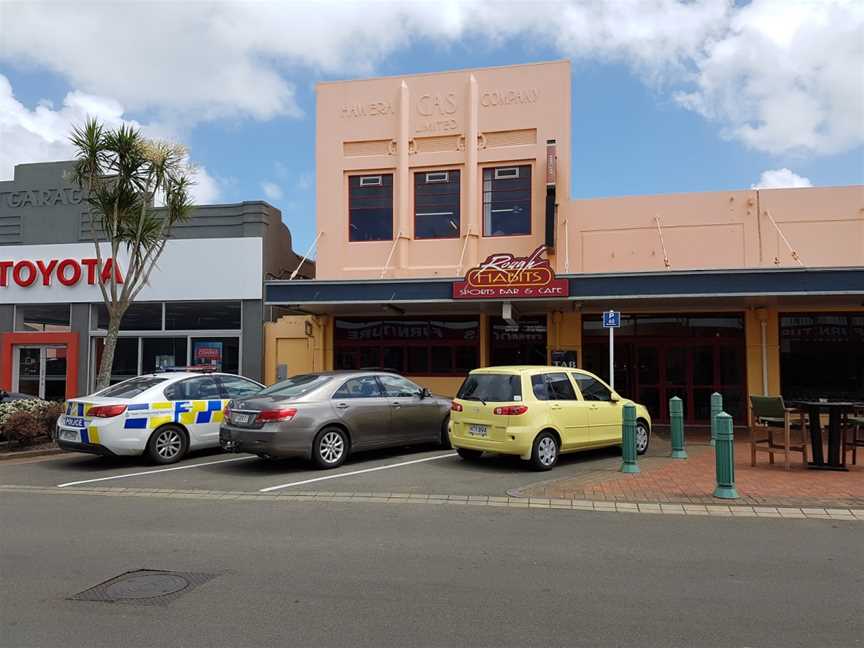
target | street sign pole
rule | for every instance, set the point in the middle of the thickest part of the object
(612, 357)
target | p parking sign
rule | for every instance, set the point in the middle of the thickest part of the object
(611, 319)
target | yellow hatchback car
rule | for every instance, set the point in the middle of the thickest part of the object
(538, 413)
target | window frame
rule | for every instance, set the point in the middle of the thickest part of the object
(365, 176)
(544, 377)
(458, 216)
(496, 167)
(575, 380)
(374, 379)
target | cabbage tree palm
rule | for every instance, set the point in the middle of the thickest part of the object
(124, 176)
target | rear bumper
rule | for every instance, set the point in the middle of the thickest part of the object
(267, 443)
(511, 441)
(89, 448)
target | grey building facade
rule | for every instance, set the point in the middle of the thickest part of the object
(203, 303)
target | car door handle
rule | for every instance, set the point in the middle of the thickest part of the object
(342, 405)
(555, 406)
(396, 405)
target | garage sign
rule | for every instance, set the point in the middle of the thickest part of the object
(504, 276)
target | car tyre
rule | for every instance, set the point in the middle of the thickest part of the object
(468, 454)
(643, 437)
(330, 448)
(545, 451)
(168, 444)
(445, 433)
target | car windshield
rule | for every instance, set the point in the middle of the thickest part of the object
(296, 386)
(491, 387)
(130, 388)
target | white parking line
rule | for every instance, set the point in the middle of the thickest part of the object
(153, 472)
(357, 472)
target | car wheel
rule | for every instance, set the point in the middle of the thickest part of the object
(445, 433)
(167, 445)
(544, 454)
(643, 436)
(469, 454)
(330, 448)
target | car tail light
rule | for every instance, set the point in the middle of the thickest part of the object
(106, 411)
(455, 407)
(226, 411)
(285, 414)
(511, 410)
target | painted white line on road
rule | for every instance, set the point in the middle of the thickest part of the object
(357, 472)
(152, 472)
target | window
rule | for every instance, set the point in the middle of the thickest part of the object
(42, 317)
(125, 363)
(363, 387)
(397, 387)
(223, 354)
(592, 389)
(206, 316)
(297, 386)
(522, 344)
(495, 388)
(822, 355)
(410, 345)
(370, 208)
(507, 201)
(552, 386)
(130, 388)
(160, 353)
(198, 388)
(140, 316)
(436, 204)
(237, 387)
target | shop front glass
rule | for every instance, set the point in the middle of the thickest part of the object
(822, 355)
(415, 346)
(520, 343)
(661, 356)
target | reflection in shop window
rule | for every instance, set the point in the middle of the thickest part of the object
(202, 316)
(436, 204)
(158, 354)
(140, 316)
(370, 207)
(507, 201)
(125, 363)
(42, 317)
(222, 354)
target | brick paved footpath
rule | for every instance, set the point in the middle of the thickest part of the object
(663, 479)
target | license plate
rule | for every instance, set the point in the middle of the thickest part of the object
(74, 421)
(241, 419)
(70, 435)
(478, 430)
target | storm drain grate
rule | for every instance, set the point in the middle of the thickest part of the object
(144, 587)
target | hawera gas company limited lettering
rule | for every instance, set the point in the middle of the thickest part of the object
(68, 272)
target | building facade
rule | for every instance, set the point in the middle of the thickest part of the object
(203, 303)
(447, 240)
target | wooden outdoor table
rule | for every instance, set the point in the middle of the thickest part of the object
(836, 409)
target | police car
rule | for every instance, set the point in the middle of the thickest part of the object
(164, 415)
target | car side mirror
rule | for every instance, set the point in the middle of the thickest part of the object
(615, 398)
(424, 393)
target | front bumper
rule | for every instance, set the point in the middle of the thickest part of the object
(267, 443)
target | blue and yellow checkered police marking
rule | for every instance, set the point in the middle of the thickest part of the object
(149, 416)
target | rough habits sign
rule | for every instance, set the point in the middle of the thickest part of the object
(504, 276)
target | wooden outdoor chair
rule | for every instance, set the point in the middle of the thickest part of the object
(771, 427)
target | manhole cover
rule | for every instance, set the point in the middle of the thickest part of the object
(144, 586)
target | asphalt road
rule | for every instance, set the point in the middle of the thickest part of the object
(360, 574)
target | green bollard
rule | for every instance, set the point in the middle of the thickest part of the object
(676, 419)
(724, 454)
(716, 408)
(628, 445)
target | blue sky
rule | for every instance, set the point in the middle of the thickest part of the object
(632, 132)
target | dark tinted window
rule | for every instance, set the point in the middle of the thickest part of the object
(198, 388)
(140, 316)
(507, 201)
(436, 204)
(363, 387)
(552, 386)
(592, 389)
(206, 316)
(130, 388)
(42, 317)
(296, 386)
(237, 387)
(370, 207)
(491, 387)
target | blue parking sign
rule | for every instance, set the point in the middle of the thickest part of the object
(611, 319)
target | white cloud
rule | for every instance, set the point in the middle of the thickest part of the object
(42, 134)
(776, 75)
(272, 190)
(781, 179)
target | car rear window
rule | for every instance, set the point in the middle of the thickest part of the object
(491, 387)
(130, 388)
(296, 386)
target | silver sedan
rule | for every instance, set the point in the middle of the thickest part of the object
(325, 416)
